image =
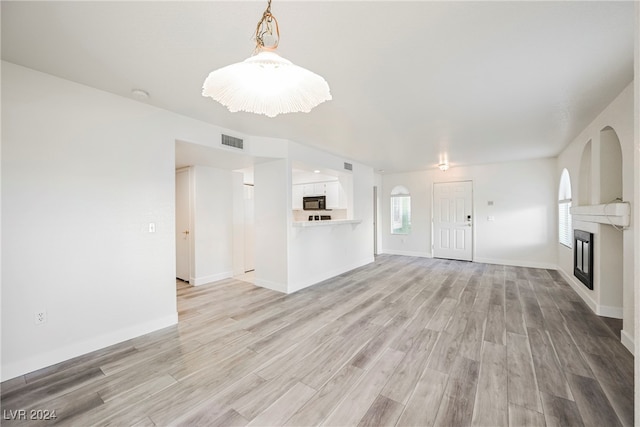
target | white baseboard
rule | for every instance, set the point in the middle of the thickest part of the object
(12, 370)
(580, 290)
(293, 287)
(627, 341)
(271, 285)
(585, 294)
(406, 253)
(197, 281)
(516, 263)
(607, 311)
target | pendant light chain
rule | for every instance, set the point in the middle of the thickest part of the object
(265, 27)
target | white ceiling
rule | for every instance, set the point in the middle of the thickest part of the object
(413, 83)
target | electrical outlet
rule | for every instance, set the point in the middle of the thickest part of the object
(152, 227)
(40, 317)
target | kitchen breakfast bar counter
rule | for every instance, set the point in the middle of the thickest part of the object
(319, 250)
(326, 222)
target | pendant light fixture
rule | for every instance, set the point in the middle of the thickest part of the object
(266, 83)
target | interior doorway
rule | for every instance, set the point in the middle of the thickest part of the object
(375, 220)
(453, 220)
(183, 226)
(249, 229)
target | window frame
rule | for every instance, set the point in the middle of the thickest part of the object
(398, 204)
(565, 223)
(565, 228)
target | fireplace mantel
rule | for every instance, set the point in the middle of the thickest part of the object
(611, 213)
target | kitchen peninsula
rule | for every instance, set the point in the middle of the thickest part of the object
(293, 252)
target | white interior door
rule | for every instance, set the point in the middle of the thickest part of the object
(375, 220)
(183, 259)
(452, 220)
(249, 229)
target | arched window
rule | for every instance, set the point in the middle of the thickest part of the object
(564, 210)
(400, 210)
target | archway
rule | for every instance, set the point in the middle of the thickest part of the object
(584, 183)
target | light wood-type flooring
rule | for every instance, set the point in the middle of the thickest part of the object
(402, 341)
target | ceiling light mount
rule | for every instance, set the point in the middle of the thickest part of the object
(140, 94)
(443, 167)
(266, 83)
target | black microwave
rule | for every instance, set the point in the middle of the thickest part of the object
(314, 203)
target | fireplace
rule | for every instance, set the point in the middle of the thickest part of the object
(583, 257)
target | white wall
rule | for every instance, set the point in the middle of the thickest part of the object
(213, 224)
(636, 212)
(238, 218)
(619, 115)
(272, 207)
(523, 195)
(84, 172)
(378, 183)
(418, 241)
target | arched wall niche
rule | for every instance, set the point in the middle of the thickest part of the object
(610, 166)
(610, 245)
(584, 183)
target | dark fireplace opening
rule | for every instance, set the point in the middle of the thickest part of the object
(583, 257)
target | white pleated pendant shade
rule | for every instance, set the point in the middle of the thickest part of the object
(266, 84)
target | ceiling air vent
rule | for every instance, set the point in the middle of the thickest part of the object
(231, 141)
(348, 166)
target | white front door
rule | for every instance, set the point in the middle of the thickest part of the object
(182, 225)
(452, 220)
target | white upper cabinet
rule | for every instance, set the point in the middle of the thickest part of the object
(296, 197)
(307, 190)
(317, 189)
(332, 190)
